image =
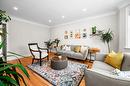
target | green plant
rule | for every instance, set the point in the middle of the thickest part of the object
(4, 17)
(57, 42)
(106, 37)
(49, 43)
(94, 30)
(8, 74)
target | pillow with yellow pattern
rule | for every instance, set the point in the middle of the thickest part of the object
(114, 59)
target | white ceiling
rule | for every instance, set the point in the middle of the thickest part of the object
(41, 11)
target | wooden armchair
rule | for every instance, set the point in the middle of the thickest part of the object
(37, 52)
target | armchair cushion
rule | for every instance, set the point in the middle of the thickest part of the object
(37, 55)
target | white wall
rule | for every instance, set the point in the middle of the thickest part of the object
(103, 22)
(22, 32)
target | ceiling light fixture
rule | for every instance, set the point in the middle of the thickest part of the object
(49, 21)
(15, 8)
(63, 17)
(84, 10)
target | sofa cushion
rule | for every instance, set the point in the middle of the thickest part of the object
(126, 62)
(94, 78)
(102, 66)
(78, 56)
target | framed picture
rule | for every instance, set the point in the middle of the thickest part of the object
(66, 32)
(71, 34)
(65, 36)
(77, 35)
(84, 35)
(84, 30)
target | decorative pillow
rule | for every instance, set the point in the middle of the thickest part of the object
(114, 59)
(83, 49)
(64, 47)
(68, 48)
(77, 49)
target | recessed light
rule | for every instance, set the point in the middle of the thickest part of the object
(15, 8)
(84, 9)
(63, 17)
(49, 21)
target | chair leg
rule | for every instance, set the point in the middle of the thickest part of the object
(40, 62)
(32, 60)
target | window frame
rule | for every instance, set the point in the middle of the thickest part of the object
(127, 45)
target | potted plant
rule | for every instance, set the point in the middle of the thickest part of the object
(4, 18)
(57, 42)
(107, 37)
(49, 44)
(8, 74)
(94, 30)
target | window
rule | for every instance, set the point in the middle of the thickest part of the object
(128, 28)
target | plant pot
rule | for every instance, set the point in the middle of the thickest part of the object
(94, 30)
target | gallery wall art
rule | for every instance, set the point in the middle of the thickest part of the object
(77, 34)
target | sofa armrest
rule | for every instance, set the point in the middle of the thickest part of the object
(96, 79)
(100, 57)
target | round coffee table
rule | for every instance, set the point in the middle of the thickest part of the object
(59, 62)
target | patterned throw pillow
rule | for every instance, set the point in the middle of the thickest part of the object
(114, 59)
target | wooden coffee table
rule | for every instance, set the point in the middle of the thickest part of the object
(59, 62)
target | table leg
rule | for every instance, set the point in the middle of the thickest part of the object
(90, 56)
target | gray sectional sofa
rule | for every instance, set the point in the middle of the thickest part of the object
(72, 54)
(101, 73)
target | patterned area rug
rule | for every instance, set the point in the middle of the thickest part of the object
(70, 76)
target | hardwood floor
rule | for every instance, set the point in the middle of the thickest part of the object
(36, 80)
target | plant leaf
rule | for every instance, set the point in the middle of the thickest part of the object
(23, 70)
(9, 79)
(1, 83)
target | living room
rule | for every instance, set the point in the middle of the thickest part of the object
(80, 27)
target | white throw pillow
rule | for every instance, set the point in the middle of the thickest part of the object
(64, 47)
(68, 48)
(83, 49)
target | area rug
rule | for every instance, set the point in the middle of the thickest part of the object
(70, 76)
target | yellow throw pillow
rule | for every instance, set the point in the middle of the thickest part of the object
(77, 49)
(114, 59)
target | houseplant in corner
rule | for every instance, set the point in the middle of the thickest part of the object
(107, 37)
(8, 73)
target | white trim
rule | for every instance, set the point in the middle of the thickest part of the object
(126, 27)
(124, 4)
(91, 17)
(30, 22)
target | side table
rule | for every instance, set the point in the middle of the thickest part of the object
(93, 51)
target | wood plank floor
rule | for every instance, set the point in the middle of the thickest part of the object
(36, 80)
